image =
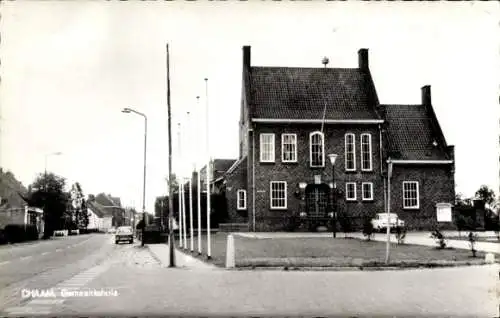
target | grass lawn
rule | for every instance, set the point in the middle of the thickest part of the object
(492, 239)
(328, 252)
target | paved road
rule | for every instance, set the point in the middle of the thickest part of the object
(144, 287)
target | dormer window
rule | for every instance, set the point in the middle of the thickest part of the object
(317, 149)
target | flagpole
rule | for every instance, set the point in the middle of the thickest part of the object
(209, 249)
(190, 186)
(198, 185)
(181, 187)
(184, 213)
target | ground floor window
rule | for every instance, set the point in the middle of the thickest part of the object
(242, 199)
(278, 195)
(367, 191)
(410, 195)
(350, 191)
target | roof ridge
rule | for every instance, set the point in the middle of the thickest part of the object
(236, 164)
(307, 67)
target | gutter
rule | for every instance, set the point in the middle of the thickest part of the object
(317, 121)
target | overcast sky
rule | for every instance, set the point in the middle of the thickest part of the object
(68, 68)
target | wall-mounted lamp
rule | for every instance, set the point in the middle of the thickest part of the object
(302, 185)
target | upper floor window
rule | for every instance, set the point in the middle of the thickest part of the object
(317, 149)
(350, 191)
(410, 195)
(350, 152)
(366, 152)
(242, 199)
(267, 147)
(367, 191)
(278, 195)
(289, 147)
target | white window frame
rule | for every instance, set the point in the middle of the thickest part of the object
(353, 151)
(370, 167)
(311, 135)
(271, 196)
(261, 147)
(417, 206)
(347, 184)
(238, 206)
(294, 152)
(363, 184)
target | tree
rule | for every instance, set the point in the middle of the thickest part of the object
(47, 192)
(486, 194)
(79, 209)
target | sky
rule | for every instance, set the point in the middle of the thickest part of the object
(69, 67)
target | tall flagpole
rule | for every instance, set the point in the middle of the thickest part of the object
(209, 249)
(181, 187)
(170, 181)
(190, 185)
(198, 184)
(184, 213)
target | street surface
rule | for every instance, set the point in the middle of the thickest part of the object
(144, 287)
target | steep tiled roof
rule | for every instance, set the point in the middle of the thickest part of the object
(301, 93)
(411, 134)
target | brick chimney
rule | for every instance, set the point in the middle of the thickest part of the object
(246, 56)
(426, 95)
(363, 59)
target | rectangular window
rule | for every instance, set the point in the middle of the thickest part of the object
(350, 191)
(242, 199)
(278, 194)
(367, 191)
(317, 149)
(266, 147)
(289, 147)
(350, 152)
(366, 152)
(410, 195)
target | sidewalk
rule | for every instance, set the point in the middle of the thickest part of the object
(161, 253)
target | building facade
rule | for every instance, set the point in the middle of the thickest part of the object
(315, 144)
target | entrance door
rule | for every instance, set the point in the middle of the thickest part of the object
(317, 200)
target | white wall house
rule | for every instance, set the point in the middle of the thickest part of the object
(98, 221)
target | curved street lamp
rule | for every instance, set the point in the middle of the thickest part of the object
(127, 111)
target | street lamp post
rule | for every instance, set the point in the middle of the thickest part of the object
(127, 111)
(333, 158)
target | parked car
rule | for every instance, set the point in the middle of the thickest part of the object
(124, 233)
(112, 230)
(380, 221)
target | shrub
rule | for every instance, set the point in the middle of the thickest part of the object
(401, 234)
(472, 242)
(460, 223)
(439, 237)
(345, 224)
(16, 233)
(367, 228)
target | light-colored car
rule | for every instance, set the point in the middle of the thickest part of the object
(380, 221)
(124, 233)
(112, 230)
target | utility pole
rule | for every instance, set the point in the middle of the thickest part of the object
(170, 181)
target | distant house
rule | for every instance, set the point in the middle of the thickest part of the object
(112, 206)
(13, 206)
(292, 119)
(218, 168)
(100, 218)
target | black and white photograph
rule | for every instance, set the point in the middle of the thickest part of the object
(249, 158)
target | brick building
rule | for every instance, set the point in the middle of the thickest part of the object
(293, 119)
